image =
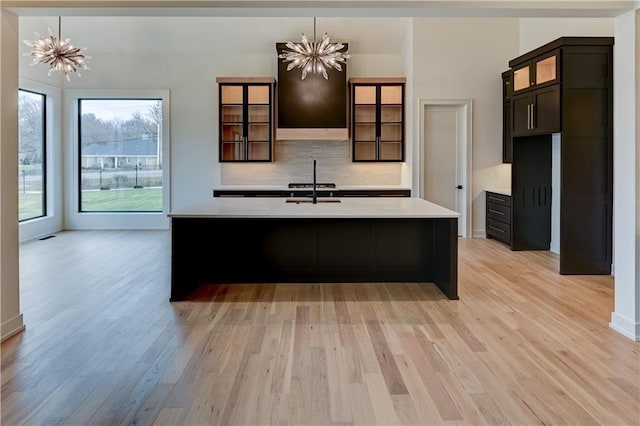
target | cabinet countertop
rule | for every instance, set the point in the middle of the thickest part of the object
(502, 191)
(346, 208)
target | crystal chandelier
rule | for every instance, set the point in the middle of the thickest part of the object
(58, 54)
(314, 57)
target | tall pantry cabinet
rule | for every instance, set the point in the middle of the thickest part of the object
(565, 87)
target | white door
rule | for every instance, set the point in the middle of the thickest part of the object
(444, 158)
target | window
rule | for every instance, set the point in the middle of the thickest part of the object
(31, 155)
(120, 159)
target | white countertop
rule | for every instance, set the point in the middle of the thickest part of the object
(503, 191)
(374, 207)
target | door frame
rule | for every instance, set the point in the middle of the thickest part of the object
(464, 161)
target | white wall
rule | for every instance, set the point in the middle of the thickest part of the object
(626, 180)
(534, 32)
(188, 58)
(463, 58)
(10, 316)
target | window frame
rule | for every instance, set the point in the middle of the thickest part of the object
(45, 139)
(77, 219)
(53, 220)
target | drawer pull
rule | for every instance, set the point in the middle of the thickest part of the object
(496, 229)
(502, 200)
(496, 212)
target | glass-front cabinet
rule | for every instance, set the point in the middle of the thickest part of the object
(246, 118)
(377, 111)
(538, 72)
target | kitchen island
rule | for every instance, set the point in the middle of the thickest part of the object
(276, 240)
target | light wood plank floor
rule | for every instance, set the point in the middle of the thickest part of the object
(523, 345)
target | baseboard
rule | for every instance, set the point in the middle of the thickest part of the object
(554, 247)
(625, 326)
(479, 233)
(12, 327)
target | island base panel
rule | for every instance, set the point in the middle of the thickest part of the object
(279, 250)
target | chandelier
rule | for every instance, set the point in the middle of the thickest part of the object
(59, 54)
(314, 57)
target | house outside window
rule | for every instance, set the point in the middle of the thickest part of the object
(120, 161)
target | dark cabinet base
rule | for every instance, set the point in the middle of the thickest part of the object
(272, 250)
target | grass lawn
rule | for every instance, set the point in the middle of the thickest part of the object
(120, 200)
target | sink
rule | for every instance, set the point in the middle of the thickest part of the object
(310, 201)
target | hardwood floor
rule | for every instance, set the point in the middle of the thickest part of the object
(103, 345)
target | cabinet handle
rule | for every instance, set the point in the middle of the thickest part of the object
(497, 199)
(496, 229)
(496, 212)
(528, 116)
(533, 117)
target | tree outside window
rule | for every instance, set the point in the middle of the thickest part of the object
(120, 155)
(31, 155)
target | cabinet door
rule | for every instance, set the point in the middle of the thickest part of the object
(258, 122)
(365, 119)
(246, 121)
(545, 116)
(536, 112)
(378, 122)
(391, 135)
(546, 69)
(522, 78)
(507, 143)
(521, 115)
(232, 117)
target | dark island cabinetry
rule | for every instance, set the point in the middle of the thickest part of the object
(565, 88)
(265, 193)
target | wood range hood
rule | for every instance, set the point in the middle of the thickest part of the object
(313, 108)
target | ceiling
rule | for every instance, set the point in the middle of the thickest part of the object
(354, 8)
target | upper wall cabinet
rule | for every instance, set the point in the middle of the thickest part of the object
(378, 124)
(246, 119)
(537, 72)
(536, 112)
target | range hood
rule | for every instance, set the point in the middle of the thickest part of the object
(313, 108)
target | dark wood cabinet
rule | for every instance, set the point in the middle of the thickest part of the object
(498, 218)
(245, 119)
(377, 119)
(574, 97)
(507, 90)
(536, 112)
(533, 73)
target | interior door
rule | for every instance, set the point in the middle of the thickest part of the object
(444, 154)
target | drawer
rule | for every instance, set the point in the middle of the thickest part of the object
(493, 197)
(499, 212)
(498, 230)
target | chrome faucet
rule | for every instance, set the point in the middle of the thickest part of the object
(314, 194)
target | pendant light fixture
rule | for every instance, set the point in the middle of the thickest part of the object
(314, 57)
(58, 54)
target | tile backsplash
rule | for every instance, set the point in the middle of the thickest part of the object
(294, 163)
